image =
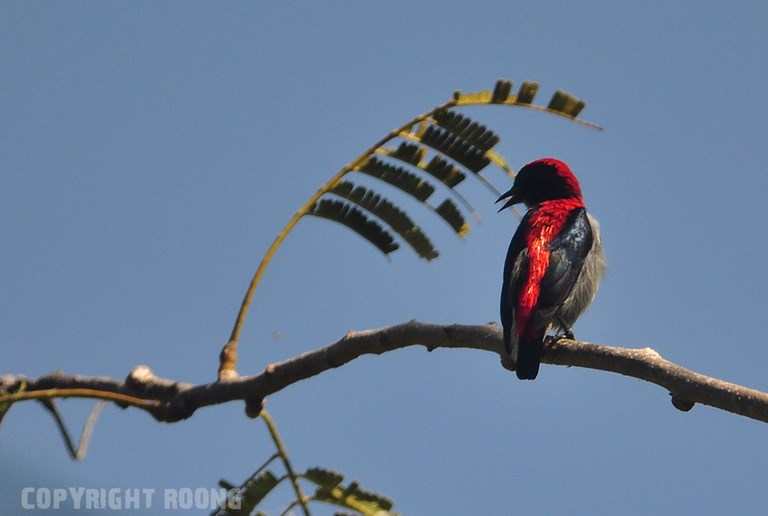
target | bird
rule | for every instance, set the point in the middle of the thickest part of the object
(554, 263)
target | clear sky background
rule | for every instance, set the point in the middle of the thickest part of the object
(150, 151)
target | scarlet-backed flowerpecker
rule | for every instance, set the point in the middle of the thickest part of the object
(554, 263)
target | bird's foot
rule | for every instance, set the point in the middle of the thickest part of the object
(565, 331)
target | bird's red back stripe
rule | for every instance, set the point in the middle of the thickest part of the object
(545, 224)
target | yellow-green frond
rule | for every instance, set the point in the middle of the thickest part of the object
(389, 213)
(331, 490)
(562, 103)
(324, 477)
(355, 219)
(251, 493)
(458, 144)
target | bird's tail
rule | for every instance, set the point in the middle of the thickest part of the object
(529, 356)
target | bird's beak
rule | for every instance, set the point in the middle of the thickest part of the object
(512, 197)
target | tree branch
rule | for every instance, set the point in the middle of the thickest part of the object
(170, 401)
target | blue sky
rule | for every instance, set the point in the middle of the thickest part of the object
(151, 151)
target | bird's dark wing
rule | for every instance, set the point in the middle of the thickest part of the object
(515, 272)
(568, 250)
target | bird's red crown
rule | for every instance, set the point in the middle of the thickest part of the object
(560, 169)
(546, 179)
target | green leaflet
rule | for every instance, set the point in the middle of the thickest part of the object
(562, 103)
(351, 497)
(415, 155)
(253, 492)
(389, 213)
(444, 171)
(501, 91)
(566, 104)
(451, 214)
(445, 142)
(399, 178)
(527, 92)
(355, 220)
(409, 153)
(438, 167)
(466, 129)
(324, 477)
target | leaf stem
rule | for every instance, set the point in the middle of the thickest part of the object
(75, 452)
(80, 393)
(286, 462)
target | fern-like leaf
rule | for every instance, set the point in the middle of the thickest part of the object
(415, 155)
(437, 167)
(463, 152)
(356, 499)
(465, 128)
(252, 492)
(355, 220)
(324, 477)
(444, 171)
(399, 178)
(409, 153)
(454, 147)
(389, 213)
(370, 497)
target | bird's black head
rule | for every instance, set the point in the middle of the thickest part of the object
(542, 180)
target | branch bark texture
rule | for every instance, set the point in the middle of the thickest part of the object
(170, 401)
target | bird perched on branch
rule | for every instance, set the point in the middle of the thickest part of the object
(554, 263)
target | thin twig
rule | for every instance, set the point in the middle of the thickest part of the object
(286, 461)
(266, 463)
(294, 504)
(80, 392)
(77, 453)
